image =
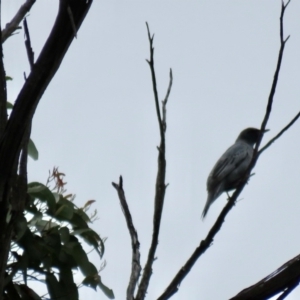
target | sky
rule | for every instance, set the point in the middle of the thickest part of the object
(97, 121)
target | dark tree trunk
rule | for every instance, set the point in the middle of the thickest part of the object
(70, 15)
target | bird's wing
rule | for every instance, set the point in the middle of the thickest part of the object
(227, 163)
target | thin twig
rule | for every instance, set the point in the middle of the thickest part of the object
(135, 261)
(164, 102)
(30, 53)
(13, 25)
(274, 83)
(154, 85)
(205, 244)
(279, 134)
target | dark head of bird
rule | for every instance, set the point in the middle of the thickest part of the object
(249, 135)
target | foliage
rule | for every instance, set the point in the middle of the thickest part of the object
(47, 244)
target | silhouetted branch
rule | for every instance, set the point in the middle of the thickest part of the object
(13, 25)
(44, 69)
(151, 65)
(164, 102)
(279, 134)
(284, 279)
(288, 290)
(274, 83)
(160, 187)
(3, 95)
(135, 261)
(205, 244)
(30, 53)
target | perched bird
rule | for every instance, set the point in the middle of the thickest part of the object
(231, 166)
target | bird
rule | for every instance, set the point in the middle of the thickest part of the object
(231, 166)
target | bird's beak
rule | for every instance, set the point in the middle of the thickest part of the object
(266, 130)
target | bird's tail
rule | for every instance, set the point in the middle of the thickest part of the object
(209, 201)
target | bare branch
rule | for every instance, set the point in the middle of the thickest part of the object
(30, 53)
(285, 278)
(160, 187)
(13, 25)
(44, 69)
(151, 65)
(3, 93)
(279, 134)
(205, 244)
(164, 102)
(275, 79)
(135, 261)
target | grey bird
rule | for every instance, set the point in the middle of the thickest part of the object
(231, 166)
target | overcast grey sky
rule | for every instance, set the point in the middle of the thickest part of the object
(97, 120)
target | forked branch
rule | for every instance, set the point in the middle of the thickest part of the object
(135, 244)
(13, 25)
(160, 187)
(205, 244)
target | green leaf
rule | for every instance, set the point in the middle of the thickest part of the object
(20, 227)
(8, 78)
(91, 281)
(64, 209)
(37, 215)
(42, 225)
(67, 284)
(9, 105)
(92, 238)
(40, 191)
(52, 239)
(75, 249)
(94, 281)
(32, 150)
(64, 234)
(107, 291)
(78, 222)
(67, 259)
(83, 215)
(54, 288)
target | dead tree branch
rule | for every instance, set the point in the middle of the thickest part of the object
(284, 279)
(13, 25)
(205, 244)
(3, 93)
(160, 188)
(274, 83)
(164, 102)
(30, 53)
(279, 134)
(135, 244)
(44, 69)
